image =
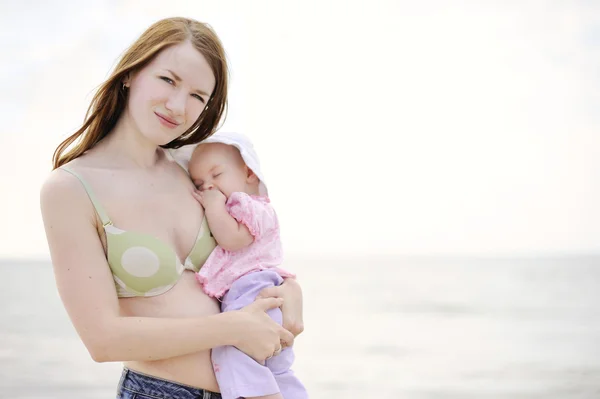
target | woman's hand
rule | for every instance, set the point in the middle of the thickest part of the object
(291, 293)
(260, 336)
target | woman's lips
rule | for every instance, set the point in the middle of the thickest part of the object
(166, 121)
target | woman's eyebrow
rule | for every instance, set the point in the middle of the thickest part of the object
(178, 79)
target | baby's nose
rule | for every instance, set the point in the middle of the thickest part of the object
(207, 186)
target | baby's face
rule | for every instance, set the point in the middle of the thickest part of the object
(220, 166)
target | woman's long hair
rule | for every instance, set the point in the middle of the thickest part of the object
(110, 99)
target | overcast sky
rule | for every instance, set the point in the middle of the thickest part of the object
(382, 126)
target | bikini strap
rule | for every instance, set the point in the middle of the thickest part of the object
(99, 209)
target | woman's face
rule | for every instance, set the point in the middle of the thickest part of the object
(168, 95)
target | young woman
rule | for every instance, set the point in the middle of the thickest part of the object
(126, 234)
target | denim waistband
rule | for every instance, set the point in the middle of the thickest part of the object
(134, 382)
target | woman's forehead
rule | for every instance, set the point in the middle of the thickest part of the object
(186, 64)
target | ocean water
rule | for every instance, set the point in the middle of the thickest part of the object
(402, 328)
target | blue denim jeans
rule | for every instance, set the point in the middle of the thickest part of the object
(134, 385)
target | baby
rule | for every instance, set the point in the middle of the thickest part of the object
(226, 171)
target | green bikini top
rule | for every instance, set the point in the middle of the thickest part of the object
(141, 264)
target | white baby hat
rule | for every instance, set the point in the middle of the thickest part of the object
(183, 154)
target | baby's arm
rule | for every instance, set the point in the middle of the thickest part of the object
(228, 232)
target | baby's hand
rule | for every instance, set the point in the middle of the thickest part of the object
(210, 197)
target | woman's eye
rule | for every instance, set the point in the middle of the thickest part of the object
(168, 80)
(199, 98)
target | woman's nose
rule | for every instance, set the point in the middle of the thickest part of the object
(176, 102)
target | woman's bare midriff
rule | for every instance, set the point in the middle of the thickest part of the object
(129, 200)
(185, 299)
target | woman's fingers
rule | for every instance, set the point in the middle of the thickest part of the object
(265, 304)
(261, 336)
(270, 292)
(286, 338)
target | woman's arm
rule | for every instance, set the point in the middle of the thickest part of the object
(87, 290)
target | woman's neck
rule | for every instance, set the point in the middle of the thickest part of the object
(129, 148)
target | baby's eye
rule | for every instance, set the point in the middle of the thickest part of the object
(217, 175)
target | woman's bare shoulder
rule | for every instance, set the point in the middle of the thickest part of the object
(60, 182)
(62, 192)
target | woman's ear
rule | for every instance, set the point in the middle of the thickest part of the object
(126, 81)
